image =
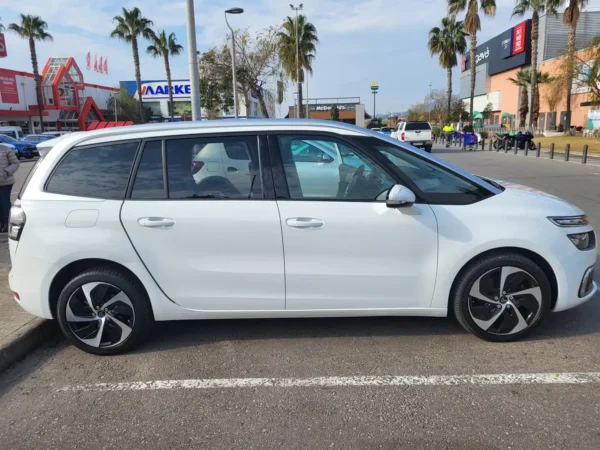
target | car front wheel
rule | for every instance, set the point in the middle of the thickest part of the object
(502, 297)
(103, 311)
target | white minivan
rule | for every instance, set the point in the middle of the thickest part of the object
(117, 228)
(13, 132)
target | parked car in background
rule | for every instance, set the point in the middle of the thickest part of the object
(23, 149)
(386, 130)
(37, 138)
(13, 132)
(419, 134)
(113, 230)
(56, 133)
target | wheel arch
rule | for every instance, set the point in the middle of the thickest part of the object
(71, 270)
(535, 257)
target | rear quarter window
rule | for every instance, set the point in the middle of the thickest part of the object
(99, 172)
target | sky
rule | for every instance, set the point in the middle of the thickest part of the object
(360, 41)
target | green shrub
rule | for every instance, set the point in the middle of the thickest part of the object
(436, 131)
(484, 134)
(560, 128)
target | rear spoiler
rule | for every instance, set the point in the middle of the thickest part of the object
(45, 146)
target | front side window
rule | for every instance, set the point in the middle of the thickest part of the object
(100, 172)
(217, 168)
(431, 178)
(325, 168)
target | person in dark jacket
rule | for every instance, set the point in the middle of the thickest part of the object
(9, 164)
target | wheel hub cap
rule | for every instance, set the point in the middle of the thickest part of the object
(100, 314)
(505, 300)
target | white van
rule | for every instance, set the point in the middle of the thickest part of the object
(13, 132)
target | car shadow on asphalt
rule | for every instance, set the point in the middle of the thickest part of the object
(577, 322)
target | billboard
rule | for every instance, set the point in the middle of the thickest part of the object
(506, 51)
(159, 90)
(3, 52)
(327, 107)
(8, 87)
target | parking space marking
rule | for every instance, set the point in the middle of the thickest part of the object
(356, 381)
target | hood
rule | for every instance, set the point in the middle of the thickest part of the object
(531, 198)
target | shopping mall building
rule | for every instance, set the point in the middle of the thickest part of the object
(155, 95)
(70, 104)
(499, 59)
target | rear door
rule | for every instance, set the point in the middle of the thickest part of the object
(417, 132)
(212, 243)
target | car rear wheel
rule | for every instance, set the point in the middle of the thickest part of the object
(103, 311)
(502, 297)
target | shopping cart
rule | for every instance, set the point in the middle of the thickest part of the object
(469, 141)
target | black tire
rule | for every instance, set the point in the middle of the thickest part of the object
(428, 148)
(462, 301)
(108, 278)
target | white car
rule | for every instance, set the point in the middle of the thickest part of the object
(112, 231)
(418, 134)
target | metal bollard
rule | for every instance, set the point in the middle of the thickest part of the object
(539, 149)
(585, 153)
(526, 148)
(567, 151)
(552, 151)
(504, 146)
(516, 147)
(491, 144)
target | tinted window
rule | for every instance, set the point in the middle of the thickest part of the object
(348, 175)
(149, 178)
(226, 168)
(100, 172)
(413, 126)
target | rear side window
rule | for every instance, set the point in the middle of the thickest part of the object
(414, 126)
(98, 172)
(149, 182)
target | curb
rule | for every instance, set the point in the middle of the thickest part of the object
(30, 337)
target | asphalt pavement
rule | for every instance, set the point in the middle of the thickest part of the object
(360, 383)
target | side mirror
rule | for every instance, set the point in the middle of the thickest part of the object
(400, 196)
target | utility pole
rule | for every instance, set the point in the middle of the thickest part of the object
(235, 93)
(192, 59)
(299, 105)
(429, 102)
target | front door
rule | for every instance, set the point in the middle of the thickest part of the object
(211, 240)
(348, 250)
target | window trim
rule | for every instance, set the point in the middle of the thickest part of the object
(268, 190)
(84, 147)
(282, 191)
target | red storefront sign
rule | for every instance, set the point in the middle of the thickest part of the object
(8, 87)
(518, 42)
(3, 52)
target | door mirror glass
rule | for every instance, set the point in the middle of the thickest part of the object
(326, 158)
(400, 196)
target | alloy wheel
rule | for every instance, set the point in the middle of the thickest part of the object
(505, 300)
(100, 315)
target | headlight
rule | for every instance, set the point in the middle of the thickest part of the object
(569, 221)
(583, 241)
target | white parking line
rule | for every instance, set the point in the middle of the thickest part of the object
(376, 381)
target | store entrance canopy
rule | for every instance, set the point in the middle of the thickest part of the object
(505, 115)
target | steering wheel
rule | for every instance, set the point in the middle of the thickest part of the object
(354, 180)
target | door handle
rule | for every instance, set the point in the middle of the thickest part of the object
(304, 222)
(156, 222)
(231, 169)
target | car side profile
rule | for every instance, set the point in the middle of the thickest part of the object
(117, 228)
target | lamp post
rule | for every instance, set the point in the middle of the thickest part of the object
(235, 95)
(299, 106)
(429, 102)
(374, 89)
(193, 62)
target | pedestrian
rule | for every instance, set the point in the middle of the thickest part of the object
(9, 164)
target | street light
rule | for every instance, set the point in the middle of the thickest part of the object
(299, 106)
(374, 89)
(192, 59)
(429, 102)
(235, 95)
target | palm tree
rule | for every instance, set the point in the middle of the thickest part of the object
(522, 80)
(447, 42)
(536, 7)
(571, 19)
(129, 27)
(164, 46)
(33, 28)
(472, 26)
(307, 49)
